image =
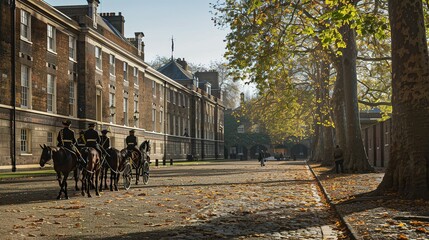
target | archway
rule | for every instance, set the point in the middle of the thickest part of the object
(300, 151)
(254, 150)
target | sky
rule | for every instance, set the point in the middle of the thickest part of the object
(188, 21)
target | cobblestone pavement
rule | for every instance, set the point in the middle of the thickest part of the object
(226, 200)
(374, 217)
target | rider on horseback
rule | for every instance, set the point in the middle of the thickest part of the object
(131, 142)
(67, 140)
(92, 138)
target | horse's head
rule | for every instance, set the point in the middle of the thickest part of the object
(46, 155)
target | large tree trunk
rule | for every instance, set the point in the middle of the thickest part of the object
(407, 172)
(355, 159)
(326, 129)
(338, 107)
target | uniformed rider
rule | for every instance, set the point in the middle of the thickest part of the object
(92, 138)
(132, 144)
(66, 138)
(105, 140)
(81, 142)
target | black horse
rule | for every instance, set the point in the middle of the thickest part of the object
(64, 163)
(113, 159)
(91, 171)
(136, 161)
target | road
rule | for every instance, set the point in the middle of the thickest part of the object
(224, 200)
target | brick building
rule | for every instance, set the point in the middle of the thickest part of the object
(72, 62)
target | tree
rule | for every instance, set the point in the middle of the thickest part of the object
(408, 171)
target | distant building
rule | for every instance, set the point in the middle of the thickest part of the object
(72, 62)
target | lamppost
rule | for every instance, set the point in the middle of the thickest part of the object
(13, 90)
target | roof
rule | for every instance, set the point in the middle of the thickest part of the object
(174, 71)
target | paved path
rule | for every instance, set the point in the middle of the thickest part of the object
(228, 200)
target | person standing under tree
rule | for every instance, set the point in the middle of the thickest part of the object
(339, 159)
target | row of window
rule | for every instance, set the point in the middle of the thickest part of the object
(112, 66)
(51, 92)
(25, 33)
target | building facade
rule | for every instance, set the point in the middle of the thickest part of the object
(72, 62)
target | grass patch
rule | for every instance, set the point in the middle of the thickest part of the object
(22, 174)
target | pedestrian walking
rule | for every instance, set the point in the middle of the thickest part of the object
(261, 158)
(339, 159)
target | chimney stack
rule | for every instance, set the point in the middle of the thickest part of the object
(92, 11)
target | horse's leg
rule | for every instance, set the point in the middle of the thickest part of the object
(76, 178)
(60, 184)
(97, 175)
(83, 181)
(117, 175)
(101, 182)
(66, 175)
(112, 176)
(105, 177)
(88, 184)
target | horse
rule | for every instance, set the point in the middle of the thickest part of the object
(113, 159)
(145, 149)
(64, 163)
(93, 167)
(136, 158)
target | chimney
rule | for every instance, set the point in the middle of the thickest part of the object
(139, 43)
(183, 63)
(92, 11)
(117, 21)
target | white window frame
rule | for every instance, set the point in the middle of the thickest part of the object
(154, 88)
(51, 38)
(51, 94)
(125, 66)
(25, 86)
(125, 105)
(25, 142)
(154, 119)
(72, 48)
(50, 138)
(112, 107)
(25, 30)
(72, 97)
(136, 76)
(112, 63)
(98, 58)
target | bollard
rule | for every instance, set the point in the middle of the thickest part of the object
(171, 161)
(164, 162)
(156, 162)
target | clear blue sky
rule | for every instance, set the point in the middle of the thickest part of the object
(189, 22)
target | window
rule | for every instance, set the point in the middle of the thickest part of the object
(25, 141)
(125, 111)
(25, 25)
(125, 71)
(98, 58)
(112, 64)
(25, 86)
(161, 117)
(136, 113)
(50, 139)
(136, 76)
(154, 120)
(72, 97)
(51, 93)
(72, 48)
(112, 107)
(51, 38)
(168, 94)
(154, 88)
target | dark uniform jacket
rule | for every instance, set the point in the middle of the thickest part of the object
(66, 138)
(338, 154)
(105, 142)
(131, 142)
(81, 142)
(92, 138)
